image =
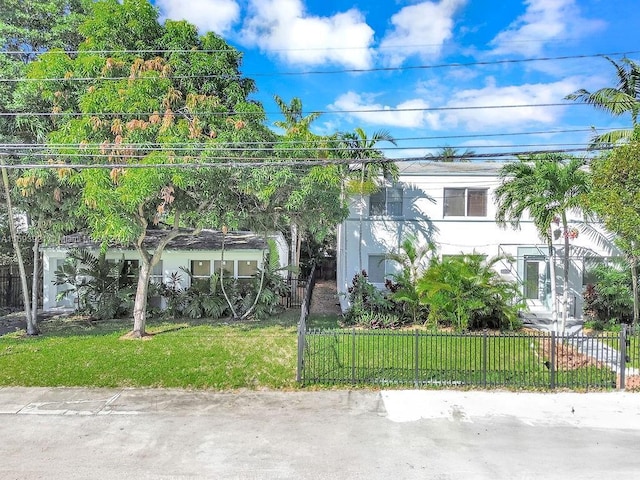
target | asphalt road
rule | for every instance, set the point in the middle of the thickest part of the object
(163, 434)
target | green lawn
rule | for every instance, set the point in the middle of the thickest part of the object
(185, 354)
(420, 358)
(230, 355)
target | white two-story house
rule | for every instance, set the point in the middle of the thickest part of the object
(453, 204)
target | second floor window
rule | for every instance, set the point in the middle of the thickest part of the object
(465, 202)
(386, 202)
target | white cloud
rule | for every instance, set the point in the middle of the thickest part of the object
(543, 21)
(208, 15)
(408, 114)
(284, 28)
(421, 30)
(508, 118)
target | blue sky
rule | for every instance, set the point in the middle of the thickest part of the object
(396, 65)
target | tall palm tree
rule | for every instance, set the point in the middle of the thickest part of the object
(618, 100)
(546, 186)
(369, 167)
(450, 154)
(296, 126)
(294, 123)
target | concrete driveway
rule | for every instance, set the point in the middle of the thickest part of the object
(361, 434)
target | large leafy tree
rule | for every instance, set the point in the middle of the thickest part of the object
(307, 195)
(26, 30)
(547, 187)
(615, 197)
(159, 95)
(622, 99)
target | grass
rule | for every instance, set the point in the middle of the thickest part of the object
(389, 358)
(223, 355)
(183, 354)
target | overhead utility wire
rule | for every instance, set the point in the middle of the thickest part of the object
(328, 141)
(321, 112)
(326, 72)
(59, 149)
(233, 162)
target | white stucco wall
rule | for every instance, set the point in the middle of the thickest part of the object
(173, 261)
(423, 215)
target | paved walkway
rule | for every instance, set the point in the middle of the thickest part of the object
(324, 300)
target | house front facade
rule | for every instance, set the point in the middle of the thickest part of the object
(201, 255)
(453, 205)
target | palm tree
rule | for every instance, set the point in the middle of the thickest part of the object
(297, 127)
(618, 100)
(547, 186)
(370, 167)
(295, 123)
(450, 154)
(412, 258)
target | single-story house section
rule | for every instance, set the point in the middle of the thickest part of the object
(244, 253)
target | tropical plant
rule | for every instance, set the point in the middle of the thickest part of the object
(465, 291)
(365, 299)
(615, 197)
(609, 299)
(547, 187)
(621, 99)
(412, 259)
(98, 284)
(450, 154)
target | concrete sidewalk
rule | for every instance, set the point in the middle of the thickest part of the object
(74, 433)
(619, 410)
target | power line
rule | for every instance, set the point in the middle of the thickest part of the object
(307, 72)
(234, 162)
(321, 112)
(321, 142)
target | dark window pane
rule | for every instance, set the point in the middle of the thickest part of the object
(377, 203)
(477, 203)
(454, 202)
(376, 269)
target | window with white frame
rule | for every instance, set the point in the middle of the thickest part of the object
(200, 272)
(465, 202)
(157, 274)
(227, 266)
(386, 202)
(247, 268)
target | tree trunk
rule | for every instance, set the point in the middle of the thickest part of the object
(552, 275)
(32, 327)
(361, 221)
(634, 286)
(140, 304)
(565, 276)
(35, 282)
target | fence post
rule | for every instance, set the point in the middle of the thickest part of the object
(622, 356)
(484, 358)
(353, 356)
(552, 366)
(301, 340)
(417, 359)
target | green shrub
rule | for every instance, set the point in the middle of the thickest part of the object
(610, 297)
(365, 299)
(465, 291)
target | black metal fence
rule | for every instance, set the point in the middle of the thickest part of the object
(421, 359)
(10, 288)
(297, 287)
